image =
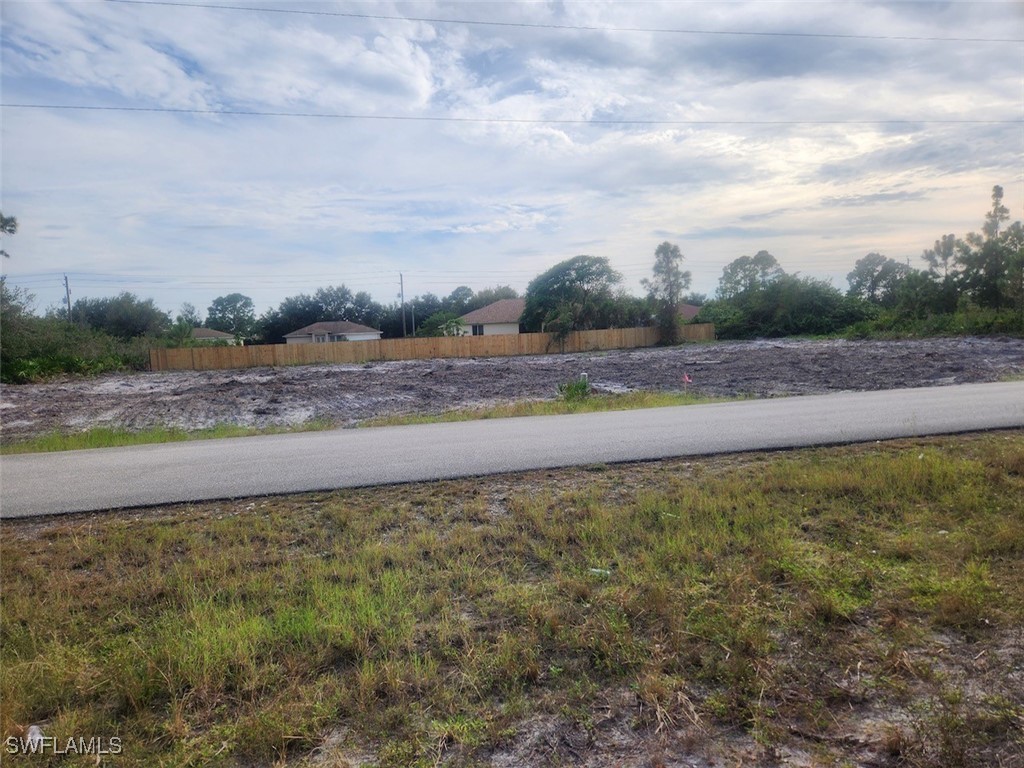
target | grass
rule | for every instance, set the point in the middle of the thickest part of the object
(106, 437)
(575, 403)
(751, 600)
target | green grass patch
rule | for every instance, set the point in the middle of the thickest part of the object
(575, 403)
(106, 437)
(755, 597)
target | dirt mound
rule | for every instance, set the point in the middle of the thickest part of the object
(347, 394)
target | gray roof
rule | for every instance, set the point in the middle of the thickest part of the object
(688, 311)
(335, 326)
(209, 333)
(501, 311)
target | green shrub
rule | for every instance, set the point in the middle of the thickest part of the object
(966, 321)
(575, 391)
(36, 348)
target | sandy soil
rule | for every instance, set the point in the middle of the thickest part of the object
(347, 394)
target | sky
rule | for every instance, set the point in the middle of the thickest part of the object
(184, 151)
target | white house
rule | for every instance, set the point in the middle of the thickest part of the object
(338, 330)
(500, 317)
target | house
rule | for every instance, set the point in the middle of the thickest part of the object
(210, 336)
(336, 330)
(500, 317)
(688, 311)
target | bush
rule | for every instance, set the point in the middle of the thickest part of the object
(788, 306)
(575, 391)
(36, 348)
(967, 321)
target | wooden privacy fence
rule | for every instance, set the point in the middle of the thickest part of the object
(507, 345)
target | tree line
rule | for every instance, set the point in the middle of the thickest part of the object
(973, 284)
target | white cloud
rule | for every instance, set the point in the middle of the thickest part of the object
(205, 205)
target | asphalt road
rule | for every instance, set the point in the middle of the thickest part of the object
(110, 478)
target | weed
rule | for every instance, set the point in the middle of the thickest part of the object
(574, 391)
(944, 732)
(105, 437)
(737, 595)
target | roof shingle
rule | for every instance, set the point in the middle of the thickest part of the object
(209, 333)
(334, 326)
(501, 311)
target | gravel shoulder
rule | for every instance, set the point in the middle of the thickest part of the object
(348, 394)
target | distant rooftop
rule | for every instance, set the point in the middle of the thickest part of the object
(209, 333)
(688, 311)
(333, 326)
(501, 311)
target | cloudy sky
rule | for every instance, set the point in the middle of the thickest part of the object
(184, 151)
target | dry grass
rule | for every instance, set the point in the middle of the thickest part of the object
(786, 600)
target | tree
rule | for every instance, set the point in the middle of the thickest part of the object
(574, 295)
(125, 316)
(326, 305)
(876, 278)
(8, 226)
(786, 306)
(489, 296)
(181, 333)
(1014, 281)
(941, 256)
(457, 301)
(17, 324)
(189, 315)
(441, 323)
(334, 303)
(995, 217)
(234, 314)
(986, 260)
(629, 311)
(365, 311)
(695, 299)
(749, 273)
(665, 289)
(426, 306)
(453, 327)
(918, 295)
(293, 313)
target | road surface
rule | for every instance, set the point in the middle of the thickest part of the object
(110, 478)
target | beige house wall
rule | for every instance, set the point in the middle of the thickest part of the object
(348, 337)
(492, 329)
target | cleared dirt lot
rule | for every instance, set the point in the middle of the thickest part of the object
(348, 394)
(912, 720)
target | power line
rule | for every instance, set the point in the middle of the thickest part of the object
(573, 27)
(502, 120)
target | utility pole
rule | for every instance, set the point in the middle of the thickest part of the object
(67, 293)
(401, 285)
